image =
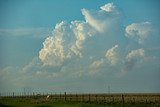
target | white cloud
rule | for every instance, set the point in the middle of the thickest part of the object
(86, 41)
(92, 21)
(97, 63)
(75, 39)
(108, 7)
(135, 54)
(133, 58)
(33, 66)
(95, 68)
(102, 20)
(52, 52)
(65, 42)
(140, 31)
(111, 55)
(82, 31)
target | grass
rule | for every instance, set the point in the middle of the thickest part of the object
(40, 103)
(28, 102)
(72, 101)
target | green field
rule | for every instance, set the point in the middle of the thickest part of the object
(82, 100)
(18, 102)
(34, 103)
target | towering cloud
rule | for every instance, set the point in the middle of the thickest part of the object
(65, 42)
(90, 44)
(89, 53)
(68, 40)
(111, 55)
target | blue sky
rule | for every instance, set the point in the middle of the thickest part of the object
(47, 13)
(80, 46)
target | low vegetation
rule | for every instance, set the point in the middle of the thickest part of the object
(82, 100)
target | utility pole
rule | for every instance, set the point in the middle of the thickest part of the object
(108, 89)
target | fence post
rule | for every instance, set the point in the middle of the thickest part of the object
(83, 97)
(122, 100)
(89, 98)
(43, 94)
(55, 97)
(65, 95)
(33, 95)
(96, 98)
(70, 97)
(146, 102)
(60, 96)
(13, 94)
(104, 99)
(134, 102)
(76, 97)
(113, 101)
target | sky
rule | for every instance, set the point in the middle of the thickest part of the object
(80, 46)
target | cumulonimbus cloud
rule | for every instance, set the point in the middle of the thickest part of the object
(81, 40)
(68, 39)
(82, 48)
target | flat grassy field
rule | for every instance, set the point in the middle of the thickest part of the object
(28, 102)
(83, 100)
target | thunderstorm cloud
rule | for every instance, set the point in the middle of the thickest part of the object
(99, 47)
(97, 41)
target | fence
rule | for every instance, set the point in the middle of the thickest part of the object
(111, 99)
